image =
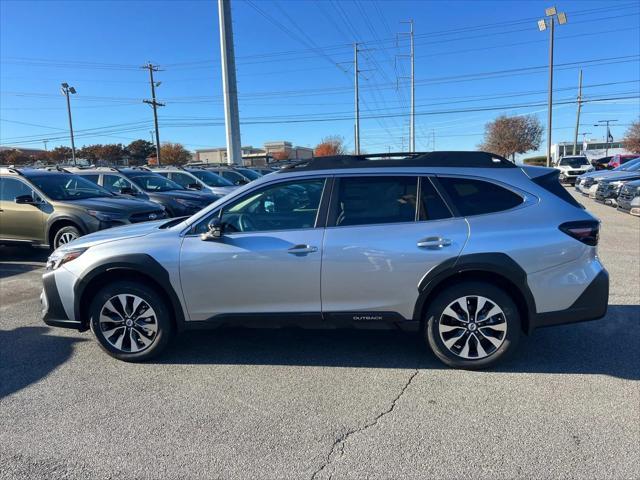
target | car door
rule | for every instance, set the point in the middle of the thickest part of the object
(383, 235)
(20, 221)
(268, 259)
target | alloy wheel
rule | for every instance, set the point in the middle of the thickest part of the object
(472, 327)
(66, 237)
(128, 323)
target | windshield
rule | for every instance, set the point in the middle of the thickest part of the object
(574, 161)
(155, 183)
(211, 178)
(630, 166)
(250, 174)
(68, 187)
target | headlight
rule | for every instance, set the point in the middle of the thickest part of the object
(102, 216)
(60, 257)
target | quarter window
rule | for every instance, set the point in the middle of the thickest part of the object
(475, 197)
(375, 200)
(285, 206)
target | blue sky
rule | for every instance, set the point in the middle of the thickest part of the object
(474, 61)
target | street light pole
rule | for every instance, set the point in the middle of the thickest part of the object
(551, 13)
(575, 136)
(66, 90)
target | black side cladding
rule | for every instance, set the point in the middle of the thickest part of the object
(551, 182)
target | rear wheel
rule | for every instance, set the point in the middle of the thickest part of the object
(131, 321)
(472, 325)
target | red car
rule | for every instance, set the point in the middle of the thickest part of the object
(618, 160)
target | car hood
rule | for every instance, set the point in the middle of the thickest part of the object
(116, 233)
(222, 190)
(569, 167)
(623, 177)
(117, 205)
(598, 174)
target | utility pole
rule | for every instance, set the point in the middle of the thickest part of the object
(412, 113)
(602, 123)
(155, 105)
(45, 141)
(551, 13)
(575, 136)
(229, 87)
(66, 91)
(356, 128)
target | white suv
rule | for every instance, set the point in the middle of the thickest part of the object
(572, 167)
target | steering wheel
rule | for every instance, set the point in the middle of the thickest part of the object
(246, 224)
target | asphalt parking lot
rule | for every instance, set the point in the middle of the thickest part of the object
(304, 404)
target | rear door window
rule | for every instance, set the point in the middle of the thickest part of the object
(375, 200)
(477, 197)
(114, 183)
(11, 188)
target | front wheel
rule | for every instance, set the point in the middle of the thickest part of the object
(472, 325)
(131, 321)
(65, 235)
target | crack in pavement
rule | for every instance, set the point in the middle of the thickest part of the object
(339, 443)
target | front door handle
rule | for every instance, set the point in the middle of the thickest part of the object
(302, 249)
(434, 243)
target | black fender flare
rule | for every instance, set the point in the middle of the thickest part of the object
(139, 263)
(496, 263)
(53, 219)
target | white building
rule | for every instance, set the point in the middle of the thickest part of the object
(594, 149)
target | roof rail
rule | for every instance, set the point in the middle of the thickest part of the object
(431, 159)
(12, 169)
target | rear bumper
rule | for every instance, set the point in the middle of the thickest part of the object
(590, 305)
(53, 313)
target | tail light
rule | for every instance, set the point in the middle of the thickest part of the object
(587, 231)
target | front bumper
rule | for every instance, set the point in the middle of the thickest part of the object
(590, 305)
(629, 205)
(53, 313)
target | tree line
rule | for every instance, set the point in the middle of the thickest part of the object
(135, 153)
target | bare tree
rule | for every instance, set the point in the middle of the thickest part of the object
(507, 136)
(632, 137)
(332, 145)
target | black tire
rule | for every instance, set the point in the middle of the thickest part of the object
(460, 354)
(133, 347)
(65, 235)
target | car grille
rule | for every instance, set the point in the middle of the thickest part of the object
(626, 194)
(604, 189)
(587, 182)
(574, 172)
(147, 216)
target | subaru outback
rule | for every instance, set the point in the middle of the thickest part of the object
(466, 248)
(52, 208)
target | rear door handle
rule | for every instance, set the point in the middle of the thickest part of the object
(434, 243)
(302, 249)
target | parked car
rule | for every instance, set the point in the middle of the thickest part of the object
(196, 179)
(587, 184)
(618, 160)
(52, 208)
(601, 163)
(571, 167)
(235, 175)
(264, 171)
(609, 188)
(142, 183)
(465, 247)
(629, 198)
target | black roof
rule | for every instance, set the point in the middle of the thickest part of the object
(429, 159)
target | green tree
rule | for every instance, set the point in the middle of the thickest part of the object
(139, 150)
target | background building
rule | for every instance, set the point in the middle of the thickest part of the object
(594, 149)
(272, 151)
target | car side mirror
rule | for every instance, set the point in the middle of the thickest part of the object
(127, 191)
(215, 230)
(26, 199)
(194, 186)
(241, 182)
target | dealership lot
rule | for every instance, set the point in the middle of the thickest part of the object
(305, 404)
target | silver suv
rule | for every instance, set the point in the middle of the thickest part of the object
(464, 247)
